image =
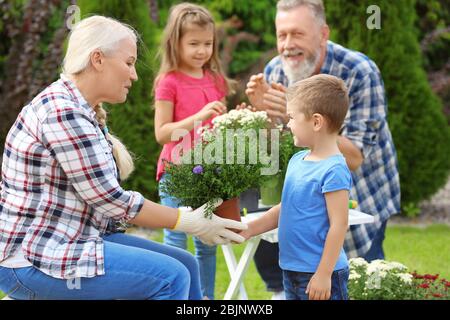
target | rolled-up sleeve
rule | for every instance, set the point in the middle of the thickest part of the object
(72, 138)
(367, 112)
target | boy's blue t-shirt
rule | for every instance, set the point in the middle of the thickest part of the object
(303, 222)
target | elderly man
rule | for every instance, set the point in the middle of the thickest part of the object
(365, 140)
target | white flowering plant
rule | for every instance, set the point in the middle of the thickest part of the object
(245, 119)
(245, 136)
(223, 164)
(241, 119)
(380, 280)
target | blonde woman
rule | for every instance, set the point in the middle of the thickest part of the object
(60, 195)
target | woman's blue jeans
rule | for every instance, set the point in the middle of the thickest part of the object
(206, 255)
(135, 268)
(295, 284)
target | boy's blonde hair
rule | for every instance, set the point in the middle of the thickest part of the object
(323, 94)
(98, 32)
(181, 17)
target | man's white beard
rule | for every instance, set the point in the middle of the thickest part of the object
(296, 71)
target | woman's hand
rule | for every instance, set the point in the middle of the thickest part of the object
(214, 108)
(319, 287)
(214, 230)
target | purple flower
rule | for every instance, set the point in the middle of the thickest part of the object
(198, 169)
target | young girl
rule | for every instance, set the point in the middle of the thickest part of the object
(190, 88)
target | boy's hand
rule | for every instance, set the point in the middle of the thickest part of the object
(319, 287)
(246, 234)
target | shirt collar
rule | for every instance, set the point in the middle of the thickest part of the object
(328, 61)
(76, 94)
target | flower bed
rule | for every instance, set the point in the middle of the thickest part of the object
(384, 280)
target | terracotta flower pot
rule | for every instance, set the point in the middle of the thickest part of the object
(229, 209)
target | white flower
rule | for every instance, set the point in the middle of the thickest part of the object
(354, 275)
(357, 262)
(382, 274)
(372, 268)
(378, 262)
(239, 118)
(405, 277)
(379, 265)
(201, 130)
(396, 265)
(206, 134)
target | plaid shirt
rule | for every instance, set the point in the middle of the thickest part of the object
(59, 188)
(376, 182)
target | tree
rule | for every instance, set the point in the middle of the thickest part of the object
(32, 35)
(433, 25)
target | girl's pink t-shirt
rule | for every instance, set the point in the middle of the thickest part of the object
(189, 95)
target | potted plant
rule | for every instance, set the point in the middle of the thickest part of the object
(226, 168)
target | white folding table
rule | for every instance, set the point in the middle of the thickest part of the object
(237, 270)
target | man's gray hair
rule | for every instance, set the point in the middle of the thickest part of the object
(316, 6)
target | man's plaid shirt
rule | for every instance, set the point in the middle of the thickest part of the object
(376, 183)
(59, 188)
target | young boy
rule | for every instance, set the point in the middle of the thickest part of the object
(313, 214)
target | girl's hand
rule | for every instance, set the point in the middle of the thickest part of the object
(319, 287)
(214, 108)
(243, 105)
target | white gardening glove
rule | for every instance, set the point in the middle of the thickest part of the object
(209, 230)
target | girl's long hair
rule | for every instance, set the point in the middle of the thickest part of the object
(181, 16)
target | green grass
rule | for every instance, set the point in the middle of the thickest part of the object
(425, 250)
(256, 290)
